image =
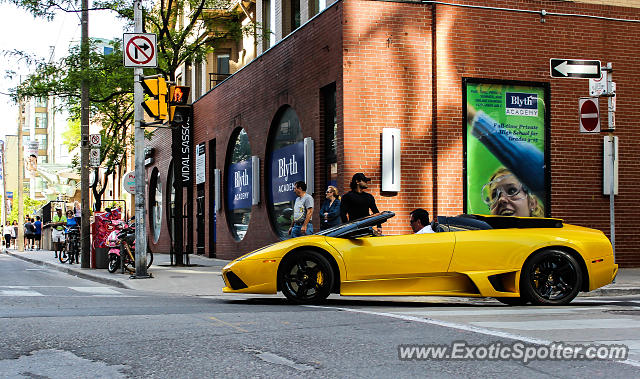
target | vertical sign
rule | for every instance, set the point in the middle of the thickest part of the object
(287, 167)
(239, 185)
(255, 179)
(31, 159)
(182, 144)
(200, 163)
(506, 138)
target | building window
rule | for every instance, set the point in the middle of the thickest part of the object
(42, 141)
(284, 166)
(155, 204)
(295, 14)
(41, 120)
(238, 184)
(330, 124)
(41, 102)
(171, 209)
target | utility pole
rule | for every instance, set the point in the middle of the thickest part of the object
(85, 241)
(141, 230)
(611, 101)
(20, 176)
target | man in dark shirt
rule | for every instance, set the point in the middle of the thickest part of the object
(356, 203)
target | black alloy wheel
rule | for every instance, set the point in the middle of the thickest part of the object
(551, 277)
(306, 277)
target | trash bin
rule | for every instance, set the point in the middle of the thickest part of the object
(102, 257)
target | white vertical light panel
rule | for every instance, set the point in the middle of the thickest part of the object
(308, 164)
(255, 180)
(216, 194)
(606, 164)
(390, 160)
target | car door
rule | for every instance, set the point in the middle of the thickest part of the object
(395, 257)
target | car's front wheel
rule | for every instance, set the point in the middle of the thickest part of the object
(306, 277)
(551, 277)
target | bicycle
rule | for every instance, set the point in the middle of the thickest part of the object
(71, 248)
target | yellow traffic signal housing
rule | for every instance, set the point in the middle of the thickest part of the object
(177, 109)
(156, 105)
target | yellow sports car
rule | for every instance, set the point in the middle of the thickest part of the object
(514, 259)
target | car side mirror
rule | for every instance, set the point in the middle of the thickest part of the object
(360, 232)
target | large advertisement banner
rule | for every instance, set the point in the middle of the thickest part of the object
(287, 167)
(31, 159)
(506, 140)
(239, 185)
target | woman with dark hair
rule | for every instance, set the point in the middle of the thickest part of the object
(330, 209)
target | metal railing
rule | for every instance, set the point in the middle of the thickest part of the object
(215, 78)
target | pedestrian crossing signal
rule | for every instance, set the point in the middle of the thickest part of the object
(156, 104)
(179, 95)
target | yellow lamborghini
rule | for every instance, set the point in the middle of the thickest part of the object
(514, 259)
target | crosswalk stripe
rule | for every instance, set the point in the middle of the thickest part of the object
(19, 292)
(602, 323)
(96, 290)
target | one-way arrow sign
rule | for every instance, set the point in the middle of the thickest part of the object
(574, 68)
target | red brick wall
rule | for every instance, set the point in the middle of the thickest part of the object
(292, 73)
(380, 56)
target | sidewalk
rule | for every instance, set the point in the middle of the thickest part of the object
(203, 276)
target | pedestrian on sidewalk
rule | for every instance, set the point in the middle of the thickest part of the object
(356, 203)
(7, 231)
(38, 236)
(14, 234)
(302, 211)
(29, 231)
(58, 221)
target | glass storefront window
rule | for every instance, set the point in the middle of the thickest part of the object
(155, 197)
(238, 184)
(284, 166)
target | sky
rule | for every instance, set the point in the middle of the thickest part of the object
(37, 36)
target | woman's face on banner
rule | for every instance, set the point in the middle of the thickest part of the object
(508, 197)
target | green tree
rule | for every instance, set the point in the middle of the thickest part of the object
(30, 208)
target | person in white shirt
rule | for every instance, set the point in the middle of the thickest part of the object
(8, 233)
(420, 221)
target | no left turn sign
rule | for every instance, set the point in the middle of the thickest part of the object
(589, 111)
(139, 50)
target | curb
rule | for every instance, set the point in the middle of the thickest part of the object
(74, 272)
(612, 292)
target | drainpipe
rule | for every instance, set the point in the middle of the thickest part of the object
(434, 112)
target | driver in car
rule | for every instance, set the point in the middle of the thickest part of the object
(420, 221)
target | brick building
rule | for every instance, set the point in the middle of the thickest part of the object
(327, 90)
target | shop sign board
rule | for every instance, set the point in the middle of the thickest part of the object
(287, 167)
(239, 185)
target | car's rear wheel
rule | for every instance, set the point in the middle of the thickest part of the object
(306, 277)
(551, 277)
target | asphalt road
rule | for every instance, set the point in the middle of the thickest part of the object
(58, 326)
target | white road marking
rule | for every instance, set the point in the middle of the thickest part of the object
(96, 290)
(594, 323)
(494, 311)
(19, 292)
(453, 325)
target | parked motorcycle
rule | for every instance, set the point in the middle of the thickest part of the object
(121, 242)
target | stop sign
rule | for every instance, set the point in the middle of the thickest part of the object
(589, 115)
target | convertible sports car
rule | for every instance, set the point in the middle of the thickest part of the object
(514, 259)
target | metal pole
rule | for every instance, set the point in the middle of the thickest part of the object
(85, 240)
(20, 236)
(611, 127)
(141, 231)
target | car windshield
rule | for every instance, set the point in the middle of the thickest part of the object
(364, 222)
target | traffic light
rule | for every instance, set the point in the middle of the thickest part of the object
(178, 97)
(156, 105)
